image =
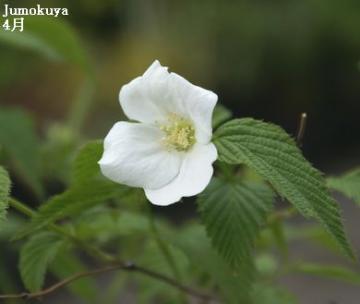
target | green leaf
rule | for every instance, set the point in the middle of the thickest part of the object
(273, 154)
(53, 38)
(88, 190)
(233, 214)
(76, 200)
(67, 264)
(4, 194)
(220, 115)
(35, 257)
(234, 285)
(19, 140)
(334, 272)
(106, 224)
(154, 290)
(348, 184)
(86, 163)
(268, 294)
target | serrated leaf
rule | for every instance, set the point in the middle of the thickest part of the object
(75, 200)
(220, 115)
(234, 285)
(348, 184)
(87, 190)
(334, 272)
(35, 257)
(273, 154)
(233, 214)
(19, 140)
(86, 163)
(53, 38)
(4, 194)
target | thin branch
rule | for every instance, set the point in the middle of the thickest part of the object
(102, 255)
(129, 266)
(301, 129)
(60, 284)
(280, 215)
(174, 283)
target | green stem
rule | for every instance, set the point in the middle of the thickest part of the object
(164, 249)
(21, 207)
(81, 105)
(95, 252)
(118, 263)
(282, 215)
(276, 225)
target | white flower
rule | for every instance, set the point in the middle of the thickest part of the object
(169, 151)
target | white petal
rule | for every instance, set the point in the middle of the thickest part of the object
(195, 174)
(197, 104)
(158, 93)
(135, 156)
(144, 98)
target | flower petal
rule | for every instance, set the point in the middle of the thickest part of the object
(197, 104)
(135, 156)
(195, 174)
(158, 93)
(143, 98)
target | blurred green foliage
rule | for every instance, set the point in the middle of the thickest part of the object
(269, 59)
(272, 59)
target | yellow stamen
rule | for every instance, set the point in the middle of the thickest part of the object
(179, 133)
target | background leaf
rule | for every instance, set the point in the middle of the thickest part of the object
(335, 272)
(234, 285)
(233, 214)
(67, 264)
(35, 256)
(348, 184)
(85, 165)
(89, 189)
(4, 194)
(105, 224)
(151, 290)
(51, 37)
(19, 140)
(271, 152)
(268, 294)
(75, 200)
(220, 115)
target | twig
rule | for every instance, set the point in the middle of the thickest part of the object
(280, 215)
(301, 129)
(129, 266)
(104, 256)
(60, 284)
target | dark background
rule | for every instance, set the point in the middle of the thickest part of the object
(267, 59)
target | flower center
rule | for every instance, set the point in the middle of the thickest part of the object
(179, 133)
